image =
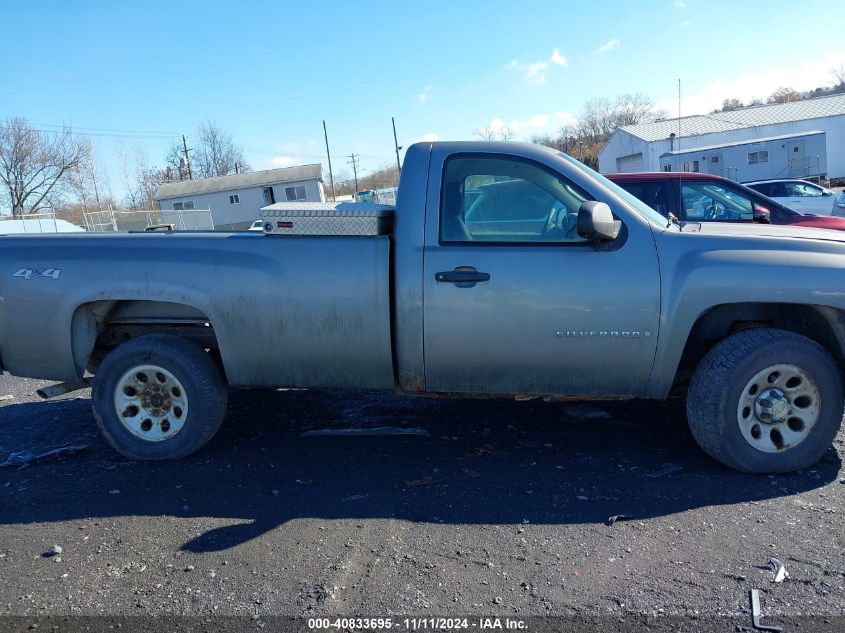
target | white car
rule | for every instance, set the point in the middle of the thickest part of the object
(839, 204)
(799, 195)
(258, 225)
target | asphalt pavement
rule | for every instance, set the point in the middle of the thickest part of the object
(465, 507)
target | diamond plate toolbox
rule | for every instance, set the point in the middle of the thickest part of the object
(327, 218)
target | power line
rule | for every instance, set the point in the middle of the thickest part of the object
(69, 130)
(106, 129)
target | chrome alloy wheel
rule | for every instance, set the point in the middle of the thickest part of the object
(778, 408)
(151, 403)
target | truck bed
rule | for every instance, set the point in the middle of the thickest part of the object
(295, 311)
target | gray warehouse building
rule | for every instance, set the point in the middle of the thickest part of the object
(235, 201)
(800, 139)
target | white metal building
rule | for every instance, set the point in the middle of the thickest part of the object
(235, 201)
(758, 159)
(792, 127)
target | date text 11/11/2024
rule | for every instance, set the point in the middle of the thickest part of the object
(418, 624)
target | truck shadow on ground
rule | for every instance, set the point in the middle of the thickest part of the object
(484, 462)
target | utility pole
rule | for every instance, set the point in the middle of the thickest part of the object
(354, 163)
(329, 156)
(187, 160)
(396, 145)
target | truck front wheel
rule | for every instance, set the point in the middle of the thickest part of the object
(158, 397)
(766, 401)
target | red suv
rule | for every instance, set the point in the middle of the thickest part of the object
(694, 197)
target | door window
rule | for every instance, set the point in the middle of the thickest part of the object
(771, 189)
(502, 199)
(802, 190)
(655, 194)
(709, 202)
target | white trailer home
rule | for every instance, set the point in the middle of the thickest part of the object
(235, 201)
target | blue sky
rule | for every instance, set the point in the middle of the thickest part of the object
(271, 72)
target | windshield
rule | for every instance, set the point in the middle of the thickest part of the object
(644, 210)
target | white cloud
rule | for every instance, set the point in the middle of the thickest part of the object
(557, 58)
(609, 46)
(684, 24)
(431, 137)
(535, 72)
(283, 161)
(747, 87)
(680, 4)
(565, 118)
(537, 124)
(538, 120)
(425, 94)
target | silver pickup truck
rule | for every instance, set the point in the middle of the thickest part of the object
(510, 270)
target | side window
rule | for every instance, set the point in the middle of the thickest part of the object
(802, 190)
(501, 199)
(655, 194)
(709, 202)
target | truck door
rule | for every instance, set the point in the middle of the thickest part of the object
(516, 302)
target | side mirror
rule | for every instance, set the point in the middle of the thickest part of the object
(827, 192)
(596, 223)
(762, 215)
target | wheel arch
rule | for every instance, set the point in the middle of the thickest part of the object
(823, 324)
(100, 325)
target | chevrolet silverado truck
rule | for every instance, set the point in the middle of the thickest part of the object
(509, 270)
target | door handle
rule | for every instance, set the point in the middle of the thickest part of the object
(462, 276)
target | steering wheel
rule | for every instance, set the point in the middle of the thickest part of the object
(552, 220)
(714, 210)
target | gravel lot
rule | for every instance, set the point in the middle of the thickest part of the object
(503, 510)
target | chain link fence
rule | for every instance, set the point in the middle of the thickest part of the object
(140, 220)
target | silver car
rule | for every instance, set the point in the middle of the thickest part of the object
(799, 195)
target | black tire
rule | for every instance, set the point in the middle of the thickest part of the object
(204, 390)
(721, 378)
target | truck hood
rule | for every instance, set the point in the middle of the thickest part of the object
(762, 231)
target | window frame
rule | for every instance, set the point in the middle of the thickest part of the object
(617, 243)
(234, 198)
(296, 198)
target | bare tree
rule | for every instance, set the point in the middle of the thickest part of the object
(216, 154)
(35, 165)
(176, 162)
(730, 104)
(838, 76)
(633, 108)
(142, 180)
(484, 133)
(88, 184)
(494, 133)
(784, 95)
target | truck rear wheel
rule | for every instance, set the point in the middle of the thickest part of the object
(766, 401)
(158, 397)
